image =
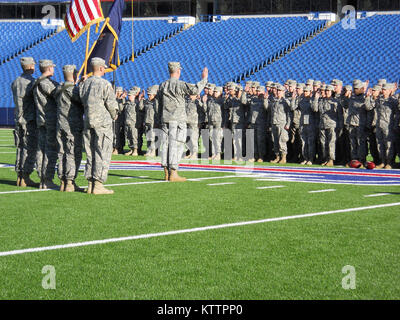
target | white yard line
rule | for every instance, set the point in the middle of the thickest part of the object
(183, 231)
(270, 187)
(377, 195)
(127, 178)
(220, 184)
(321, 191)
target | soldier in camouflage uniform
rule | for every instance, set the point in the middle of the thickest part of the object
(193, 110)
(215, 119)
(25, 123)
(388, 114)
(132, 107)
(172, 104)
(118, 125)
(294, 144)
(44, 92)
(69, 130)
(371, 124)
(257, 119)
(303, 105)
(237, 118)
(329, 112)
(357, 120)
(280, 122)
(151, 119)
(101, 108)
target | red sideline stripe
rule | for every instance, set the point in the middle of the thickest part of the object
(183, 165)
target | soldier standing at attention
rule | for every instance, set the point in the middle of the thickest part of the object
(131, 109)
(101, 108)
(173, 122)
(69, 130)
(193, 110)
(280, 121)
(214, 113)
(44, 92)
(151, 119)
(25, 123)
(118, 125)
(328, 108)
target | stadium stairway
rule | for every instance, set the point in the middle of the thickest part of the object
(282, 53)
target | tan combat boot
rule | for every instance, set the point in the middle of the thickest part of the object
(129, 153)
(69, 187)
(98, 188)
(174, 177)
(260, 160)
(276, 160)
(19, 180)
(166, 173)
(89, 190)
(135, 152)
(62, 185)
(26, 181)
(193, 156)
(329, 163)
(48, 184)
(380, 166)
(388, 167)
(217, 157)
(283, 159)
(115, 151)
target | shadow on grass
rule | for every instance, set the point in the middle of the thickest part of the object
(9, 182)
(133, 177)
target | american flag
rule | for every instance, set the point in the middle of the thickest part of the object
(81, 15)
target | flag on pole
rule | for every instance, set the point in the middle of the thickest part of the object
(106, 46)
(81, 15)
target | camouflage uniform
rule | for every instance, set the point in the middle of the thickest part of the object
(237, 120)
(257, 119)
(193, 110)
(118, 126)
(280, 118)
(329, 117)
(132, 125)
(69, 131)
(44, 92)
(151, 120)
(101, 107)
(172, 95)
(214, 116)
(25, 123)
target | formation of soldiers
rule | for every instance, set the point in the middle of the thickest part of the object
(311, 123)
(305, 123)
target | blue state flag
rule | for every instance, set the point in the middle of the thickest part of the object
(106, 46)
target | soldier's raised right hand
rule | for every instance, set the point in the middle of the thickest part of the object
(204, 73)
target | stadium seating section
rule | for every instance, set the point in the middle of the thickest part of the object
(230, 49)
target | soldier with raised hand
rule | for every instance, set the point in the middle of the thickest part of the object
(44, 92)
(357, 119)
(151, 111)
(280, 121)
(69, 130)
(172, 96)
(25, 123)
(329, 113)
(257, 119)
(118, 125)
(132, 108)
(100, 109)
(388, 113)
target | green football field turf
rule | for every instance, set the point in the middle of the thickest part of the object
(285, 259)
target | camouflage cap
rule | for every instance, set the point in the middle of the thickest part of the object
(134, 91)
(232, 86)
(358, 84)
(330, 88)
(280, 87)
(249, 83)
(119, 89)
(292, 83)
(69, 68)
(174, 66)
(336, 82)
(46, 63)
(260, 89)
(300, 86)
(382, 81)
(152, 90)
(239, 87)
(317, 83)
(377, 88)
(218, 89)
(26, 61)
(348, 87)
(323, 87)
(310, 82)
(387, 86)
(273, 85)
(98, 62)
(268, 84)
(255, 84)
(308, 88)
(212, 86)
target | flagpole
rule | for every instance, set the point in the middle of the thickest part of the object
(87, 50)
(133, 54)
